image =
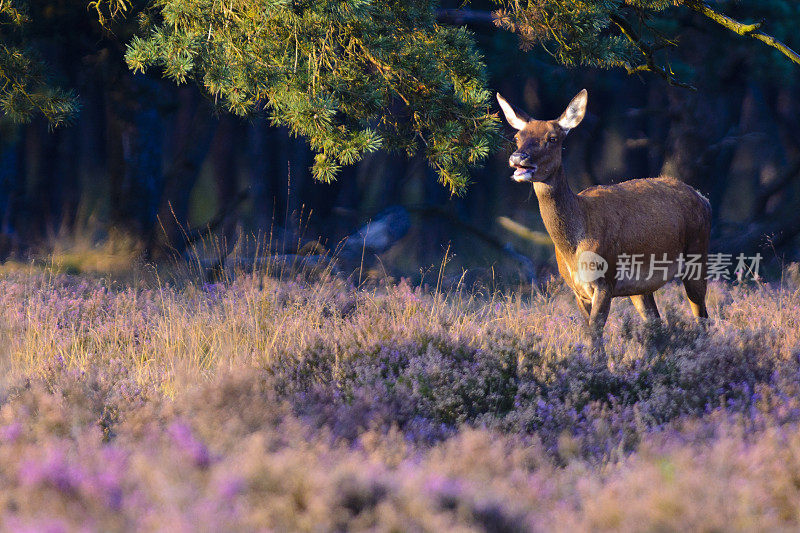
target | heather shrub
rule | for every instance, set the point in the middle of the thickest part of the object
(299, 404)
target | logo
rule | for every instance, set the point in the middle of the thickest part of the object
(591, 267)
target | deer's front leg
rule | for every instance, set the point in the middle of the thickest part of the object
(601, 304)
(584, 305)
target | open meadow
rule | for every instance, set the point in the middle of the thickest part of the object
(309, 404)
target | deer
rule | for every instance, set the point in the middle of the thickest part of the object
(602, 227)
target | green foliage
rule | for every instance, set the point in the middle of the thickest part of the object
(575, 33)
(349, 76)
(636, 34)
(25, 87)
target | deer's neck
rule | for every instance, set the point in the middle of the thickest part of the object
(561, 212)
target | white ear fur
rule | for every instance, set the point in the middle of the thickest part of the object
(514, 120)
(575, 111)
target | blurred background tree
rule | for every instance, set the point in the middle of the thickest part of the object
(388, 97)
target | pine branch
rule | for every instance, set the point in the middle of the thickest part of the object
(108, 10)
(26, 89)
(320, 73)
(745, 30)
(648, 54)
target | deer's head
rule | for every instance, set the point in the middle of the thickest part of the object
(538, 153)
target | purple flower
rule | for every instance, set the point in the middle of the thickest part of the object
(53, 469)
(182, 436)
(11, 432)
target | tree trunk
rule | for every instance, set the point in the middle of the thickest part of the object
(194, 129)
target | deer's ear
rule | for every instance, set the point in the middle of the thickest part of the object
(515, 120)
(575, 111)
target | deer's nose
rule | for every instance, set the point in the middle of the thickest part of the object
(518, 159)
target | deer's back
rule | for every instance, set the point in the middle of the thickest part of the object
(644, 213)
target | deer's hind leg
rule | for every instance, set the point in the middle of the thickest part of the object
(645, 304)
(695, 284)
(696, 293)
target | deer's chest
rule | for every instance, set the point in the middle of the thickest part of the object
(579, 277)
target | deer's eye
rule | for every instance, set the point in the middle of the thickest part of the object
(552, 139)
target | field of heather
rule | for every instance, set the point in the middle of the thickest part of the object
(289, 404)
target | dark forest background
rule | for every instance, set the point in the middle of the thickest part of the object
(154, 163)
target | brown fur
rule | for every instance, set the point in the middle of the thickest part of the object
(655, 216)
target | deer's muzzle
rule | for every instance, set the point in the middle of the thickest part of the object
(524, 168)
(519, 159)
